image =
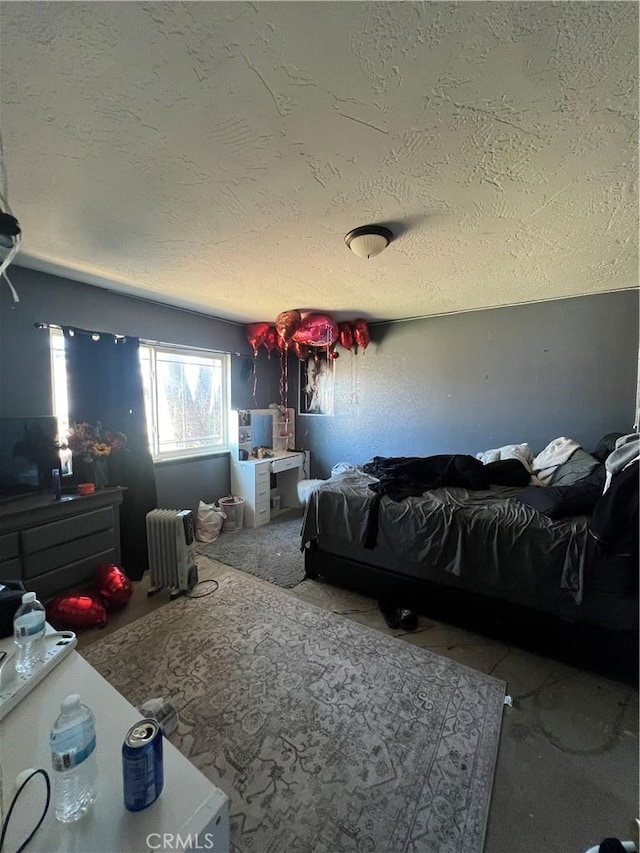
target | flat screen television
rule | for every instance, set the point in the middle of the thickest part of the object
(28, 453)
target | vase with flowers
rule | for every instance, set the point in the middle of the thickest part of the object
(92, 445)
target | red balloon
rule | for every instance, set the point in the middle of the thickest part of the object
(270, 338)
(361, 334)
(256, 333)
(79, 608)
(346, 335)
(114, 587)
(300, 350)
(286, 324)
(317, 330)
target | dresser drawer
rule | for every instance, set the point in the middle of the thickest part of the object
(84, 548)
(286, 464)
(10, 570)
(9, 546)
(67, 530)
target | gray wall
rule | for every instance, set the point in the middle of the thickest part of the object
(470, 382)
(25, 375)
(455, 384)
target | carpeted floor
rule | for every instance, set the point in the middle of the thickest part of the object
(271, 552)
(327, 735)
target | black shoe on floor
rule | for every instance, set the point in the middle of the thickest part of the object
(390, 612)
(398, 617)
(408, 620)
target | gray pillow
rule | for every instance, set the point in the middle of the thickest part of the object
(578, 466)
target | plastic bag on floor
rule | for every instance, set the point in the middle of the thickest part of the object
(208, 522)
(163, 712)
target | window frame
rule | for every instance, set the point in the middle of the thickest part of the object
(188, 452)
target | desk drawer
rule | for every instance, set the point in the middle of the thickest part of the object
(263, 495)
(262, 473)
(286, 464)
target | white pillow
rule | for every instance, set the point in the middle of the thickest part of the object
(521, 452)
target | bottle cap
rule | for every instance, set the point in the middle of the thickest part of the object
(70, 703)
(28, 597)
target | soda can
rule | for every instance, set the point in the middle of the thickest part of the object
(142, 768)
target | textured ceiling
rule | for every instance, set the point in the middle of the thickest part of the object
(214, 155)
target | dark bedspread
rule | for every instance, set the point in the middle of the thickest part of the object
(483, 537)
(401, 477)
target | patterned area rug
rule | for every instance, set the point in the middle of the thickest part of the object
(327, 736)
(271, 552)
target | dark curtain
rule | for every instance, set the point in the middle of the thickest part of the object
(104, 384)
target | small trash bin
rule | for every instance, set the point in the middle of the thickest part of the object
(233, 508)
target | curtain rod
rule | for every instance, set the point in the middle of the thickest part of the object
(145, 341)
(74, 330)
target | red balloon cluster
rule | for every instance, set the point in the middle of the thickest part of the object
(301, 334)
(86, 608)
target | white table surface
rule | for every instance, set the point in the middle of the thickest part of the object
(188, 804)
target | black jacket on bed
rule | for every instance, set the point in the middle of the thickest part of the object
(402, 476)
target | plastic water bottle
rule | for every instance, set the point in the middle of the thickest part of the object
(73, 756)
(56, 484)
(28, 631)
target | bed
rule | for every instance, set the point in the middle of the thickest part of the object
(484, 542)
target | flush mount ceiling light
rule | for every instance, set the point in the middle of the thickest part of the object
(368, 240)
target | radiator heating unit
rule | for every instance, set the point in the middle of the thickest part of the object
(170, 543)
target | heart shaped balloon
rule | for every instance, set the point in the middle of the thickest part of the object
(346, 335)
(270, 338)
(80, 608)
(361, 334)
(317, 330)
(113, 586)
(256, 334)
(286, 324)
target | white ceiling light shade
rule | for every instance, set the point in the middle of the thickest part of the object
(368, 240)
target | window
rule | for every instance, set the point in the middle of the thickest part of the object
(186, 397)
(59, 382)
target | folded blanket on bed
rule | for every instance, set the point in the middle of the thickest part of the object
(554, 454)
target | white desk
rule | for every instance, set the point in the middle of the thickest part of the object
(188, 805)
(251, 480)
